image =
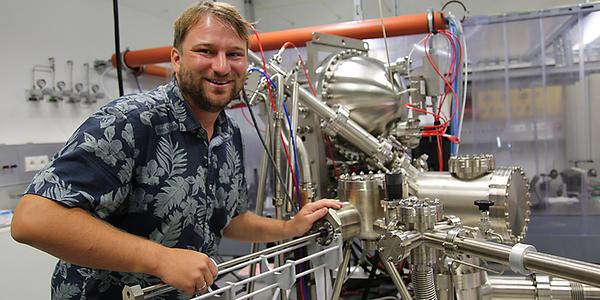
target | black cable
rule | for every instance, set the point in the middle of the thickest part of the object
(137, 82)
(371, 276)
(118, 47)
(245, 99)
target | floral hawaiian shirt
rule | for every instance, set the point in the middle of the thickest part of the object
(144, 164)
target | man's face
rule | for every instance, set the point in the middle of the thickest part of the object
(211, 66)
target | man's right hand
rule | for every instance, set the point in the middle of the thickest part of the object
(186, 270)
(72, 234)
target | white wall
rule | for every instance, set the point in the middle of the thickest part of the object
(78, 30)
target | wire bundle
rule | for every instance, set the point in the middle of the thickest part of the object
(449, 77)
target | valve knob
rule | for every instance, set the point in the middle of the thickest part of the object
(484, 205)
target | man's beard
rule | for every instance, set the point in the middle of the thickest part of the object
(191, 89)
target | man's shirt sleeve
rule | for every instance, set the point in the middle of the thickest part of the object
(93, 170)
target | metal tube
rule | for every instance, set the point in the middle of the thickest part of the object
(400, 286)
(258, 259)
(251, 256)
(566, 268)
(260, 196)
(341, 273)
(516, 287)
(569, 269)
(304, 161)
(311, 270)
(350, 130)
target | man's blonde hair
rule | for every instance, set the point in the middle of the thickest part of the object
(225, 12)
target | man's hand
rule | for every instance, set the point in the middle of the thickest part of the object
(311, 212)
(186, 270)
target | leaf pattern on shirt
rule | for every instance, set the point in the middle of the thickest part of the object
(61, 269)
(126, 170)
(107, 149)
(128, 136)
(44, 176)
(150, 174)
(171, 195)
(171, 158)
(65, 291)
(189, 208)
(111, 201)
(170, 230)
(63, 191)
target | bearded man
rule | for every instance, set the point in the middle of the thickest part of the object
(146, 187)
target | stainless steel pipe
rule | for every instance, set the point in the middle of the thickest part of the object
(565, 268)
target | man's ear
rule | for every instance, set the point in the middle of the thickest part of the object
(175, 59)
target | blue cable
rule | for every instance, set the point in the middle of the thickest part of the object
(454, 121)
(274, 86)
(295, 155)
(287, 115)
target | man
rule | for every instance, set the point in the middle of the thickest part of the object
(146, 187)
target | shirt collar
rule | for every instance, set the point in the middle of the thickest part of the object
(183, 112)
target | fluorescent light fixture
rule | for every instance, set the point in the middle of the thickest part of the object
(591, 23)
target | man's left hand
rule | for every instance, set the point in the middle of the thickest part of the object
(311, 212)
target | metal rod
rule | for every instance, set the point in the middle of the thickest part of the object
(258, 259)
(565, 268)
(266, 288)
(260, 196)
(251, 256)
(341, 273)
(310, 271)
(395, 275)
(277, 147)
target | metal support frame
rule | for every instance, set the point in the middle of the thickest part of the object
(282, 277)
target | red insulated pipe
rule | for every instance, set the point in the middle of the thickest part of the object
(394, 26)
(159, 71)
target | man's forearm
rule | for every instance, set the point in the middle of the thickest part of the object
(73, 235)
(250, 227)
(253, 228)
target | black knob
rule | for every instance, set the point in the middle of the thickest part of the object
(393, 186)
(484, 205)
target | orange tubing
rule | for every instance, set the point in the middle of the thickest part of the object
(159, 71)
(394, 26)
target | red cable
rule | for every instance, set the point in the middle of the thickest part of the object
(440, 130)
(287, 156)
(262, 54)
(328, 143)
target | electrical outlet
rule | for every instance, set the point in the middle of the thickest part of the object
(35, 163)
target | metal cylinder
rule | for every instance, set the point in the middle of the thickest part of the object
(344, 221)
(506, 186)
(349, 219)
(365, 192)
(522, 288)
(569, 269)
